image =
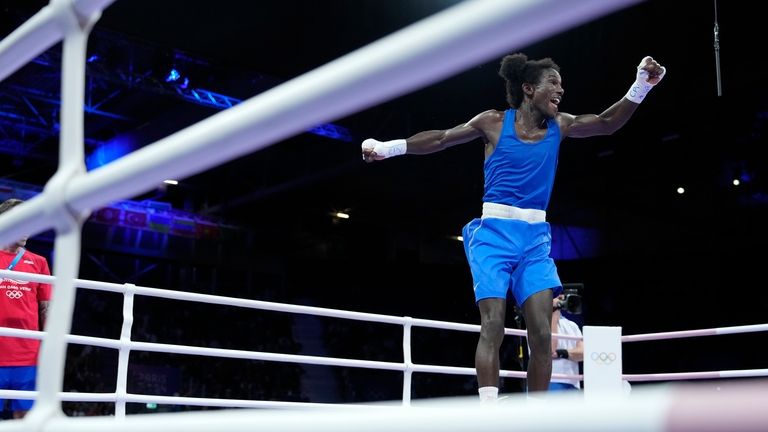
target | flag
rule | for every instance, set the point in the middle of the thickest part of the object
(6, 192)
(107, 215)
(160, 222)
(183, 226)
(135, 219)
(207, 230)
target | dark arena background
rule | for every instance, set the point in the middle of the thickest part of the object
(663, 222)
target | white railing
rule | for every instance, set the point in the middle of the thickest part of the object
(696, 333)
(125, 345)
(679, 376)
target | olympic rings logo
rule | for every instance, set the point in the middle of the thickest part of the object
(15, 294)
(603, 358)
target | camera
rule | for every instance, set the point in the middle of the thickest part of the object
(571, 301)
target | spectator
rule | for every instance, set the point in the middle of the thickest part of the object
(23, 305)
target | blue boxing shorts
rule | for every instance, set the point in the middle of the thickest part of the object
(510, 254)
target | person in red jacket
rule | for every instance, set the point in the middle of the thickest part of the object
(23, 305)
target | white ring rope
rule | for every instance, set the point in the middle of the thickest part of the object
(696, 333)
(264, 305)
(125, 342)
(407, 366)
(291, 358)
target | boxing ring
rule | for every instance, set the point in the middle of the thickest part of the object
(404, 61)
(124, 345)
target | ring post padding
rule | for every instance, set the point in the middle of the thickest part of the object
(602, 361)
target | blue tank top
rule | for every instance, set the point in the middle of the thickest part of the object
(522, 174)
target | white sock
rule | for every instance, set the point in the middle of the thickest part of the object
(488, 394)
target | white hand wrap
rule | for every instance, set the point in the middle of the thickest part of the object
(387, 149)
(641, 86)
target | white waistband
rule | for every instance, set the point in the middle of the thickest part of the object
(502, 211)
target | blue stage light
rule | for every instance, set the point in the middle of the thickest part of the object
(106, 153)
(172, 76)
(745, 176)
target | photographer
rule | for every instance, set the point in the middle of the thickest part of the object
(566, 353)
